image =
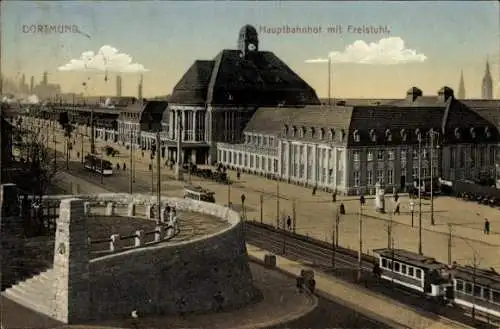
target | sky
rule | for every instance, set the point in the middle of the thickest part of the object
(403, 44)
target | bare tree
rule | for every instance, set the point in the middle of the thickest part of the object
(36, 161)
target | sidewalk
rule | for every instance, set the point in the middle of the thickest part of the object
(315, 214)
(386, 310)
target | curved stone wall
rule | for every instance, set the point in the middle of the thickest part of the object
(204, 274)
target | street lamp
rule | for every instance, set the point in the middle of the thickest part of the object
(432, 133)
(412, 209)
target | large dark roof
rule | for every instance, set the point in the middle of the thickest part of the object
(259, 79)
(192, 88)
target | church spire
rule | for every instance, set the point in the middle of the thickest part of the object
(461, 86)
(487, 86)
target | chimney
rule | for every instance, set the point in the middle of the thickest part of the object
(445, 93)
(413, 93)
(139, 89)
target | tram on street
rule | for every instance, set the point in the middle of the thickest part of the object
(199, 193)
(98, 165)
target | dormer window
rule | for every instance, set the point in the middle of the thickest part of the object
(373, 135)
(294, 131)
(388, 135)
(313, 131)
(487, 132)
(331, 134)
(321, 133)
(355, 135)
(403, 135)
(285, 130)
(457, 133)
(472, 132)
(418, 134)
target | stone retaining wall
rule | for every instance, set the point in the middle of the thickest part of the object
(204, 274)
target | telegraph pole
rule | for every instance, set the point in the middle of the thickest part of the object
(334, 233)
(131, 178)
(474, 284)
(92, 134)
(294, 217)
(360, 251)
(432, 177)
(158, 175)
(449, 242)
(277, 202)
(419, 195)
(261, 208)
(55, 146)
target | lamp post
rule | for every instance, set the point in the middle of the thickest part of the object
(158, 177)
(432, 133)
(131, 178)
(419, 195)
(412, 209)
(277, 201)
(360, 251)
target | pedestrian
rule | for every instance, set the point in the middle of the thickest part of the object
(396, 209)
(314, 190)
(124, 166)
(289, 223)
(486, 226)
(238, 174)
(118, 166)
(300, 283)
(396, 197)
(334, 196)
(342, 209)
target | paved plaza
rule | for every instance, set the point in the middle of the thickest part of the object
(315, 214)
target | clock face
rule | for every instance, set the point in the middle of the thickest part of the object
(251, 47)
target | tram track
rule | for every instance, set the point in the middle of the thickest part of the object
(318, 255)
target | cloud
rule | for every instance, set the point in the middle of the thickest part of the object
(107, 59)
(387, 51)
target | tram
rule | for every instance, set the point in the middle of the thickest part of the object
(98, 165)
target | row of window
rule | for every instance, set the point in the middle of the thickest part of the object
(248, 160)
(381, 178)
(259, 140)
(477, 291)
(400, 268)
(381, 155)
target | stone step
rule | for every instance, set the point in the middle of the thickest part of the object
(38, 288)
(27, 300)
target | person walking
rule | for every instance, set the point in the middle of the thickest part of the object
(486, 226)
(289, 223)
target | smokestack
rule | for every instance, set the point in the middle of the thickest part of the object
(139, 89)
(118, 86)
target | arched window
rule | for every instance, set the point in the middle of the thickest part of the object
(472, 132)
(403, 134)
(285, 130)
(355, 136)
(321, 133)
(388, 135)
(312, 131)
(418, 134)
(487, 132)
(457, 133)
(341, 135)
(331, 134)
(373, 135)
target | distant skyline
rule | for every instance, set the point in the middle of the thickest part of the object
(378, 49)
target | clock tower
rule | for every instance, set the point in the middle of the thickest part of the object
(248, 40)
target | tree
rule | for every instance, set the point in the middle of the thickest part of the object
(37, 162)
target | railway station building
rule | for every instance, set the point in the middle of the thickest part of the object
(248, 110)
